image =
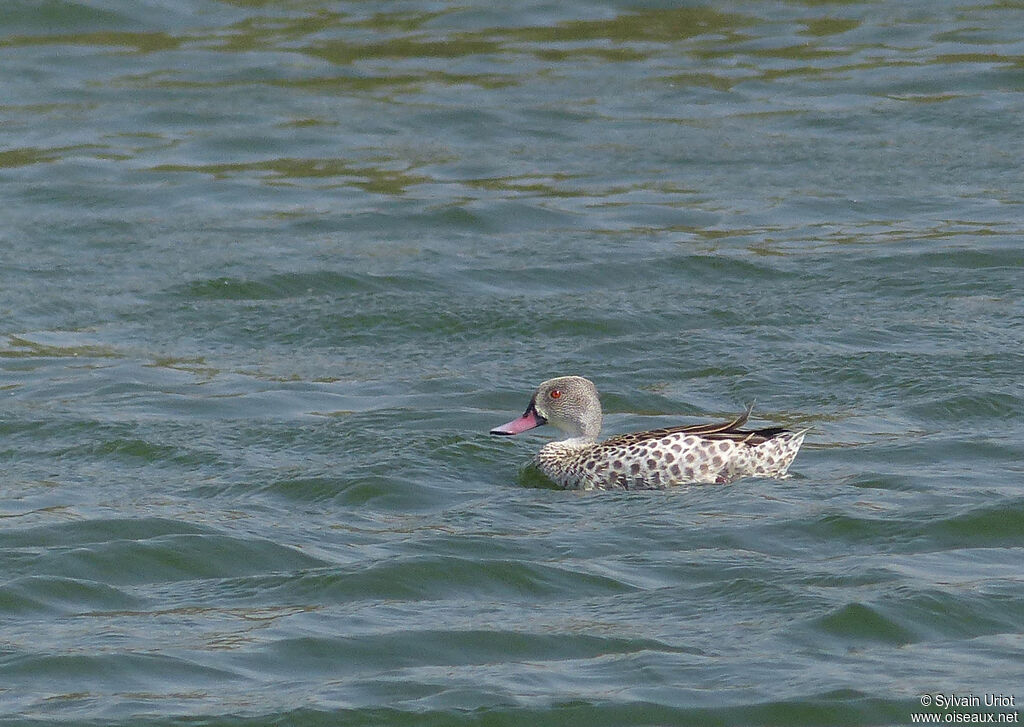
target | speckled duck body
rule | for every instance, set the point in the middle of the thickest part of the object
(700, 454)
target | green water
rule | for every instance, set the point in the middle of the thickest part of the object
(269, 272)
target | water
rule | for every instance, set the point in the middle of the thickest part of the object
(270, 271)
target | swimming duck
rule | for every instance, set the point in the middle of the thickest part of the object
(697, 454)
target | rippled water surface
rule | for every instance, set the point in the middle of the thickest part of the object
(269, 271)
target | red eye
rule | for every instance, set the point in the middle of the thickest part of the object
(555, 393)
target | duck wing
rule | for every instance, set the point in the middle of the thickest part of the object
(714, 431)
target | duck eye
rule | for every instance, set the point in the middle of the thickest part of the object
(555, 393)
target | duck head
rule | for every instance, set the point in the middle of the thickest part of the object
(569, 403)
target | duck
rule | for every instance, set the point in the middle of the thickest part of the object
(717, 453)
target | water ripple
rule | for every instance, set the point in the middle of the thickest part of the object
(271, 271)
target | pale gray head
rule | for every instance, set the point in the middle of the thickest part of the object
(569, 403)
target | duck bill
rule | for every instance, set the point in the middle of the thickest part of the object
(530, 420)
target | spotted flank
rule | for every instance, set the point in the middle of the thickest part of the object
(674, 458)
(699, 454)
